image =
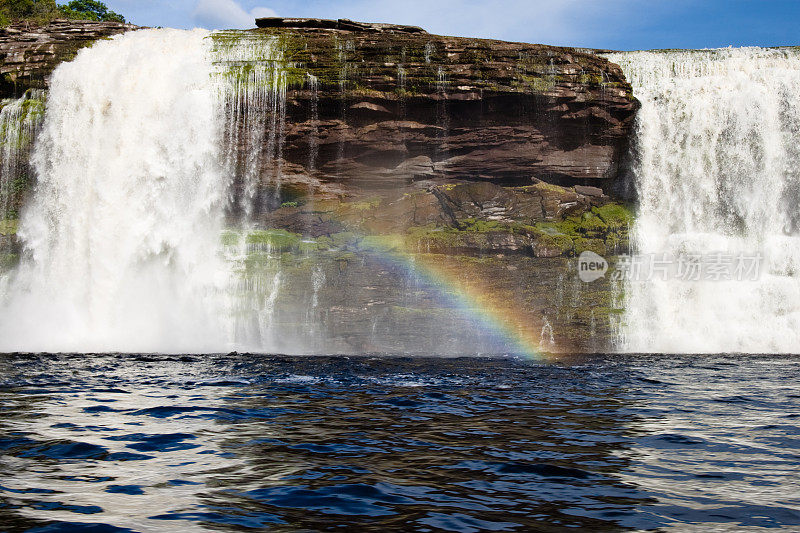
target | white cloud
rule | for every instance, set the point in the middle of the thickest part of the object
(227, 14)
(260, 12)
(544, 21)
(565, 22)
(607, 24)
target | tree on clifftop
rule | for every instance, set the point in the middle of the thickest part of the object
(33, 10)
(90, 10)
(43, 11)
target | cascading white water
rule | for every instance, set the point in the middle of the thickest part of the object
(122, 232)
(717, 170)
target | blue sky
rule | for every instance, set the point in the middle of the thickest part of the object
(616, 24)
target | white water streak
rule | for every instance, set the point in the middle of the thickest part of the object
(313, 139)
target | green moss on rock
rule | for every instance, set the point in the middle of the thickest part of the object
(592, 226)
(275, 238)
(616, 216)
(8, 227)
(601, 230)
(597, 246)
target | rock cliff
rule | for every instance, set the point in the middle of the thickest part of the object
(463, 145)
(395, 104)
(29, 53)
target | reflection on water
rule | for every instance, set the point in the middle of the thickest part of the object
(146, 443)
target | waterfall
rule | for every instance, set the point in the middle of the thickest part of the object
(159, 148)
(547, 340)
(402, 80)
(123, 229)
(717, 167)
(430, 49)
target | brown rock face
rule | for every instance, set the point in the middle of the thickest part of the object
(395, 106)
(28, 54)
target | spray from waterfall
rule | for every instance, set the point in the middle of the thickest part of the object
(718, 175)
(253, 78)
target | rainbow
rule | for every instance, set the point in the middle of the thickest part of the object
(515, 329)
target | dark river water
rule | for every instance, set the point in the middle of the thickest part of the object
(227, 443)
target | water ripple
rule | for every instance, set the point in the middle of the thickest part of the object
(138, 443)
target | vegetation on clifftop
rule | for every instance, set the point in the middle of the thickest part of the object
(44, 11)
